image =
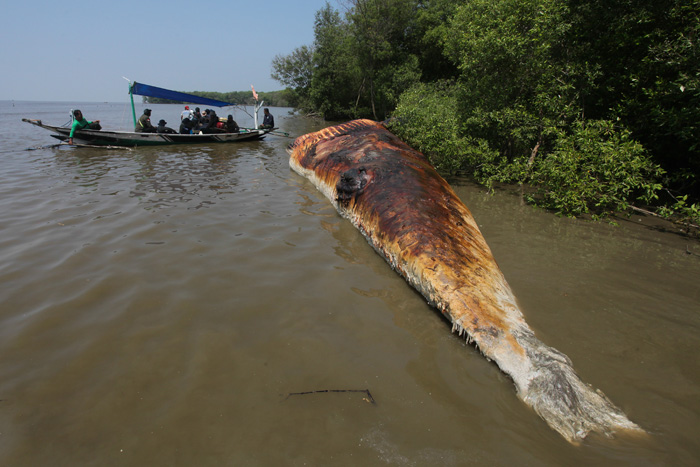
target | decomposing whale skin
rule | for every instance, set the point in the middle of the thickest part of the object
(412, 217)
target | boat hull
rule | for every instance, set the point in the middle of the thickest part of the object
(133, 139)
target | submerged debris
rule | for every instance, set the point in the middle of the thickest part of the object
(369, 397)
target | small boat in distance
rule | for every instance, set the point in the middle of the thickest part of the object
(132, 138)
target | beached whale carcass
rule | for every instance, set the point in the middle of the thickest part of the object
(412, 217)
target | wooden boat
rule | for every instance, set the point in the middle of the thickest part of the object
(132, 138)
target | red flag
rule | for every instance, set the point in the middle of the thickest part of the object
(255, 94)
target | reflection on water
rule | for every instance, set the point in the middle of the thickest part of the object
(157, 178)
(158, 304)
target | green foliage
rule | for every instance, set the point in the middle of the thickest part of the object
(336, 73)
(394, 79)
(379, 29)
(427, 119)
(518, 90)
(523, 91)
(359, 64)
(650, 73)
(507, 50)
(427, 39)
(683, 213)
(596, 169)
(296, 72)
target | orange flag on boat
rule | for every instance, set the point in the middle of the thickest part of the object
(255, 94)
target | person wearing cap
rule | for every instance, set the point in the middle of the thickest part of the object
(144, 124)
(186, 113)
(164, 129)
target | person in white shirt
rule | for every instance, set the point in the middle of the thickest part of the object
(186, 113)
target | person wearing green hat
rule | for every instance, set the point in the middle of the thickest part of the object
(144, 124)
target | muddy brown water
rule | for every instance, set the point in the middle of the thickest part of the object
(158, 306)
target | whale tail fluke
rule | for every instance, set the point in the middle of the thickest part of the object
(568, 405)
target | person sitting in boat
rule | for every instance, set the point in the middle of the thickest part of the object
(186, 126)
(144, 124)
(221, 124)
(202, 120)
(231, 125)
(196, 117)
(80, 123)
(268, 119)
(211, 119)
(161, 128)
(186, 113)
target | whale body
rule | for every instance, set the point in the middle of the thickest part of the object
(412, 217)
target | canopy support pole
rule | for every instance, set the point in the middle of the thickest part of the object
(133, 110)
(131, 95)
(257, 108)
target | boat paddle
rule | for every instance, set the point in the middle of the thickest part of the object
(49, 146)
(281, 133)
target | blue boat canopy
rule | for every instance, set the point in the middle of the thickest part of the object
(153, 91)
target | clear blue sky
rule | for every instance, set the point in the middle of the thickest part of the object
(79, 50)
